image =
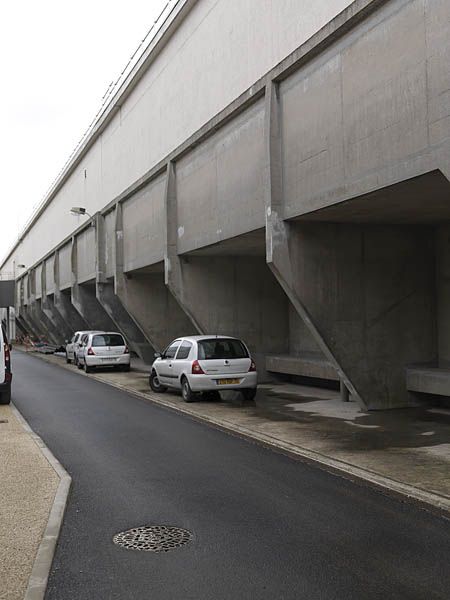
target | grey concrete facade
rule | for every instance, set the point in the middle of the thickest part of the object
(309, 217)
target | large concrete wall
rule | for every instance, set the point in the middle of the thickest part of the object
(203, 63)
(333, 168)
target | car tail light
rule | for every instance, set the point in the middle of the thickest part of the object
(196, 368)
(7, 355)
(90, 352)
(126, 351)
(252, 366)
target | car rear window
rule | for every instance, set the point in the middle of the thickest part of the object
(218, 348)
(108, 339)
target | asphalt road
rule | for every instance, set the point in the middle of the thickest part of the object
(264, 525)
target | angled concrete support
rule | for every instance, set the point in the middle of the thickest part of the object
(61, 331)
(147, 299)
(230, 293)
(21, 325)
(63, 304)
(37, 316)
(85, 301)
(106, 294)
(366, 288)
(173, 268)
(278, 232)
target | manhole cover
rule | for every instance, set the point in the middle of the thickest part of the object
(157, 538)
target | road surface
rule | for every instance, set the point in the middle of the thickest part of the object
(264, 526)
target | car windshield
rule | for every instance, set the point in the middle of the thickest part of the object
(218, 348)
(108, 339)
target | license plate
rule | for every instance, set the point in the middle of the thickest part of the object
(108, 359)
(228, 381)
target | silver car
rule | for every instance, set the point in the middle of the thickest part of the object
(73, 345)
(103, 349)
(205, 364)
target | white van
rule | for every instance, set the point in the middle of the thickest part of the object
(5, 368)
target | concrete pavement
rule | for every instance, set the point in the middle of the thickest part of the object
(28, 484)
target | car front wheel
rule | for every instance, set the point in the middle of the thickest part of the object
(155, 384)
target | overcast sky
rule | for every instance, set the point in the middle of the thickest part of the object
(57, 59)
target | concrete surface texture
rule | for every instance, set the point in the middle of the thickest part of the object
(28, 484)
(324, 160)
(409, 447)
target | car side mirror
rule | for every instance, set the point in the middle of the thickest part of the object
(158, 355)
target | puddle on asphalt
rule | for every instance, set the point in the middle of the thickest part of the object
(349, 430)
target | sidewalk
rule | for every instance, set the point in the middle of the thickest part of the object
(405, 452)
(28, 484)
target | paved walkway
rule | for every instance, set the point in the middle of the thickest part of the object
(407, 451)
(28, 485)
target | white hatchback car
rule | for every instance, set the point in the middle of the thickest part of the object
(103, 349)
(73, 345)
(199, 364)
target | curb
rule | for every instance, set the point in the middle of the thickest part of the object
(438, 505)
(37, 583)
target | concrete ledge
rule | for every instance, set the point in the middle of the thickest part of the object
(428, 380)
(305, 365)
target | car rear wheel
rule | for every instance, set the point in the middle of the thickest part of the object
(5, 397)
(87, 369)
(249, 393)
(186, 392)
(155, 384)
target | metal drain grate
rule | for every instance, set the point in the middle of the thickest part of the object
(156, 538)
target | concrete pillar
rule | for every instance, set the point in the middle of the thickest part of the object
(232, 294)
(63, 304)
(147, 299)
(173, 264)
(60, 330)
(443, 294)
(21, 325)
(85, 301)
(32, 326)
(278, 231)
(21, 315)
(106, 294)
(35, 313)
(345, 396)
